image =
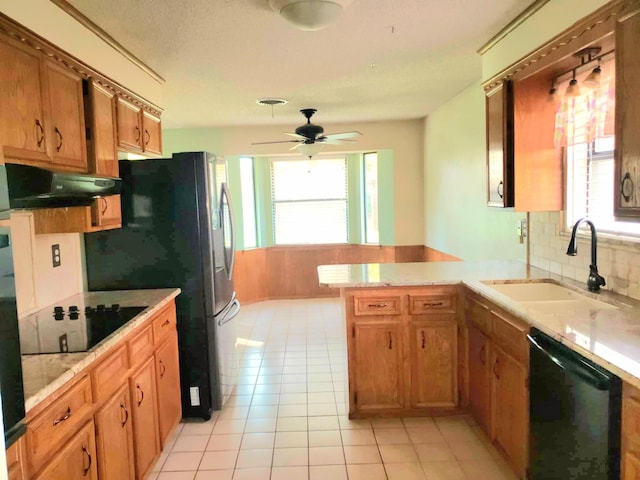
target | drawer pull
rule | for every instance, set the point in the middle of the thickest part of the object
(166, 322)
(85, 470)
(40, 128)
(63, 418)
(390, 341)
(377, 305)
(141, 394)
(423, 339)
(126, 414)
(500, 194)
(163, 369)
(432, 304)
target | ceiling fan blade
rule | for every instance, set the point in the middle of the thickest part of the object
(333, 141)
(341, 136)
(279, 141)
(295, 146)
(295, 135)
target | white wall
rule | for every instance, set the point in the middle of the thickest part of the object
(458, 220)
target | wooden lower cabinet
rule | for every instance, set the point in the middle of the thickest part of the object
(479, 380)
(631, 466)
(76, 460)
(168, 387)
(433, 363)
(630, 458)
(15, 463)
(377, 358)
(114, 437)
(510, 401)
(146, 435)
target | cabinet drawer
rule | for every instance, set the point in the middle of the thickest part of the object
(510, 335)
(432, 304)
(50, 430)
(478, 314)
(378, 305)
(110, 374)
(141, 346)
(164, 323)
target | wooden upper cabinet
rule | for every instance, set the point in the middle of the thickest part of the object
(499, 111)
(627, 151)
(151, 134)
(23, 129)
(66, 128)
(129, 126)
(101, 122)
(433, 364)
(539, 173)
(377, 363)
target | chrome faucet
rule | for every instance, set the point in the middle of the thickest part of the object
(595, 280)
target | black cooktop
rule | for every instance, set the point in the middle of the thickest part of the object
(72, 329)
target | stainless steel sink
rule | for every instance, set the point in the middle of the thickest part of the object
(549, 297)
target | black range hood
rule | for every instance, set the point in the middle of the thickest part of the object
(33, 187)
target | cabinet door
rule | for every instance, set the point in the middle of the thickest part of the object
(168, 381)
(479, 380)
(114, 437)
(627, 151)
(22, 125)
(106, 212)
(103, 151)
(433, 364)
(67, 133)
(499, 106)
(631, 467)
(509, 407)
(129, 131)
(151, 134)
(146, 437)
(378, 366)
(76, 460)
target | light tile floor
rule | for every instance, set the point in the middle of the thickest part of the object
(288, 417)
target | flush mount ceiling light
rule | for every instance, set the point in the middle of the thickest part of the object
(309, 14)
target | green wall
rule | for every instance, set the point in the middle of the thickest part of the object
(457, 220)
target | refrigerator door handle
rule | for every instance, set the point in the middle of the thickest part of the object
(233, 311)
(226, 198)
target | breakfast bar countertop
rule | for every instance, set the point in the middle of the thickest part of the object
(609, 337)
(45, 373)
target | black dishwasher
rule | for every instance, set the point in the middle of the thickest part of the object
(574, 408)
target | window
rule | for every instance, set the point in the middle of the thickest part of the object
(370, 194)
(247, 187)
(584, 127)
(309, 201)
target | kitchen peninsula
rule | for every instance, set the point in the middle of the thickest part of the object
(438, 339)
(105, 412)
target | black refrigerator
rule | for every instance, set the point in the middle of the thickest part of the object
(177, 231)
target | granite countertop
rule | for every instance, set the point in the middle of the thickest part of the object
(44, 373)
(609, 337)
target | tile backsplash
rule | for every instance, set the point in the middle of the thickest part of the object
(618, 260)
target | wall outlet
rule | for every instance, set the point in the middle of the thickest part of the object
(55, 255)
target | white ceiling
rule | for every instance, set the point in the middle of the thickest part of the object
(219, 56)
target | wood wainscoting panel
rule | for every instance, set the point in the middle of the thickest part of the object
(250, 275)
(433, 255)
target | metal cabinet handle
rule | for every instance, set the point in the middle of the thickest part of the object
(63, 418)
(163, 369)
(166, 322)
(59, 146)
(105, 205)
(495, 368)
(41, 130)
(626, 180)
(390, 341)
(123, 407)
(141, 394)
(482, 352)
(377, 305)
(85, 470)
(137, 134)
(498, 189)
(147, 136)
(423, 339)
(432, 304)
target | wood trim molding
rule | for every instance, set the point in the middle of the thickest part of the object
(108, 39)
(607, 13)
(13, 29)
(510, 27)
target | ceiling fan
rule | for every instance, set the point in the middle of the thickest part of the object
(310, 137)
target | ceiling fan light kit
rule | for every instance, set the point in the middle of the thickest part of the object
(309, 14)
